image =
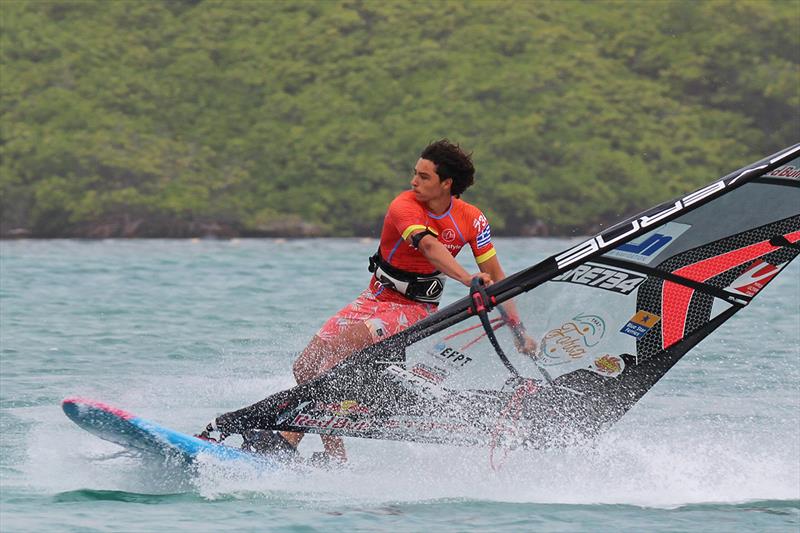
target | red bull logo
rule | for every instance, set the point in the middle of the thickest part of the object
(343, 408)
(786, 171)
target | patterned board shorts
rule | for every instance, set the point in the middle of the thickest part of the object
(383, 318)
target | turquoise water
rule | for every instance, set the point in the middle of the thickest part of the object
(179, 331)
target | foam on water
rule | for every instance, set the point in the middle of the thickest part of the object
(660, 469)
(642, 461)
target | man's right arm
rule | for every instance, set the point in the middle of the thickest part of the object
(441, 259)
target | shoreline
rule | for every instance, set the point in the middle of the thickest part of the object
(5, 238)
(223, 232)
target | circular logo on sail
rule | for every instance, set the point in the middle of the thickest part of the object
(572, 339)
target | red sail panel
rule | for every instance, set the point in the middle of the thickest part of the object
(676, 297)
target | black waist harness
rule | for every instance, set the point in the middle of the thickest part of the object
(425, 288)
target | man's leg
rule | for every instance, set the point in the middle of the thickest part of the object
(320, 356)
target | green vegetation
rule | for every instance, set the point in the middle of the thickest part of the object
(177, 118)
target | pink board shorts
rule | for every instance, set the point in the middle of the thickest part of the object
(383, 318)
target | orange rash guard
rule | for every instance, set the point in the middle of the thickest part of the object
(460, 225)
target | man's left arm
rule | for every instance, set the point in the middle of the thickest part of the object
(492, 267)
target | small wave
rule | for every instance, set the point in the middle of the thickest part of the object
(84, 495)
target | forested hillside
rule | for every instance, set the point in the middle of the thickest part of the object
(187, 118)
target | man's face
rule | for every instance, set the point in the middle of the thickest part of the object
(426, 183)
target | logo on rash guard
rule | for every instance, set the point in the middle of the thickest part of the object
(480, 222)
(448, 235)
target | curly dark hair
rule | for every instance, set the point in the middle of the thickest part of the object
(451, 162)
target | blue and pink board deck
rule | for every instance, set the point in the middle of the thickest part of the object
(148, 438)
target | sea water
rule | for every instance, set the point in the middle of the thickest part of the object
(180, 331)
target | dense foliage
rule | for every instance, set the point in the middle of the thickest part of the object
(174, 118)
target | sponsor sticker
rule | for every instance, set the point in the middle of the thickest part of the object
(754, 278)
(451, 356)
(645, 248)
(572, 339)
(786, 171)
(608, 365)
(602, 277)
(435, 288)
(414, 383)
(640, 324)
(421, 425)
(429, 373)
(328, 422)
(289, 413)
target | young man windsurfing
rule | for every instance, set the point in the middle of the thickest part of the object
(423, 231)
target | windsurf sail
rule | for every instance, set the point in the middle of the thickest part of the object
(612, 315)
